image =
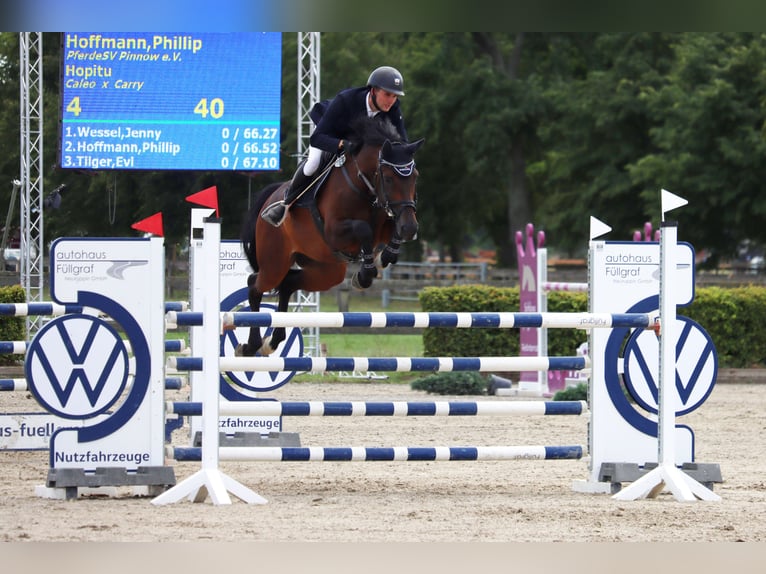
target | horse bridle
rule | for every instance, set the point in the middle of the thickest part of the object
(378, 189)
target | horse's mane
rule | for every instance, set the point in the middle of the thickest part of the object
(373, 131)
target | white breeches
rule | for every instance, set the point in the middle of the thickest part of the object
(312, 161)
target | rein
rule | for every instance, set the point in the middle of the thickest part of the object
(378, 190)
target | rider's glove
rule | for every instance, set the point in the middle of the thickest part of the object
(345, 146)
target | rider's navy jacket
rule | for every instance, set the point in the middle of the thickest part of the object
(333, 118)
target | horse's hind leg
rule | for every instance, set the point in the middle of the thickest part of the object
(254, 342)
(286, 289)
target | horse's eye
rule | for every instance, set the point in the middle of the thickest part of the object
(388, 180)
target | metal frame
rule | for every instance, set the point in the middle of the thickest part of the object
(308, 95)
(31, 94)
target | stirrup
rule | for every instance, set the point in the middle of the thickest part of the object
(275, 213)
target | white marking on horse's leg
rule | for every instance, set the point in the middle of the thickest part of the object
(266, 347)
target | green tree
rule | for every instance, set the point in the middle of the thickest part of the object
(599, 124)
(478, 105)
(547, 128)
(709, 141)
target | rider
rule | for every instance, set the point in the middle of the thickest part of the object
(379, 97)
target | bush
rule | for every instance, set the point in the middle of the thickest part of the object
(439, 342)
(576, 393)
(12, 328)
(452, 383)
(734, 317)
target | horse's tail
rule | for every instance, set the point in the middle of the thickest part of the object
(247, 233)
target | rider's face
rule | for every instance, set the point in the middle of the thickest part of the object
(383, 99)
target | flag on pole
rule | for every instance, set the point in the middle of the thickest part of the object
(598, 228)
(206, 198)
(152, 224)
(670, 201)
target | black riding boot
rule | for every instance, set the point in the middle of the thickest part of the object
(275, 213)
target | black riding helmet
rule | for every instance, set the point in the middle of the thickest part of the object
(387, 78)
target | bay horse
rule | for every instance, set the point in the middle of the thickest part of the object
(364, 209)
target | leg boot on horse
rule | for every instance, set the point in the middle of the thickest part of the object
(275, 213)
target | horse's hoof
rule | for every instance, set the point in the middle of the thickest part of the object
(241, 350)
(383, 260)
(266, 349)
(358, 283)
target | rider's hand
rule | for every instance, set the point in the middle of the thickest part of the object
(345, 146)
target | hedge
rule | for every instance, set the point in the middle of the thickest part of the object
(735, 318)
(12, 328)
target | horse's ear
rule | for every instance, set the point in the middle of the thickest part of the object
(415, 146)
(386, 150)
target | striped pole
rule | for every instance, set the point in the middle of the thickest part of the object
(446, 320)
(9, 385)
(385, 408)
(27, 309)
(55, 309)
(393, 364)
(13, 384)
(419, 320)
(560, 286)
(382, 454)
(20, 347)
(13, 347)
(176, 306)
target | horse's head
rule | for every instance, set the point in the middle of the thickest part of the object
(390, 171)
(395, 185)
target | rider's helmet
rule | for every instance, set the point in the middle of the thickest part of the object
(387, 78)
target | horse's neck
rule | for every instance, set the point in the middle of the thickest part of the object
(366, 161)
(368, 155)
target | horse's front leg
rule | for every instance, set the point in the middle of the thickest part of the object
(390, 254)
(368, 271)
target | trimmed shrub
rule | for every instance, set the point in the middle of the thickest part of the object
(12, 328)
(576, 393)
(440, 342)
(452, 383)
(733, 317)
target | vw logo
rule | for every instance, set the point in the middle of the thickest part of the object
(77, 366)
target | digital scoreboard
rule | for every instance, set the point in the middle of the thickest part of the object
(202, 101)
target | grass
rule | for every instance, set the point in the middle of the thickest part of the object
(354, 344)
(372, 343)
(368, 345)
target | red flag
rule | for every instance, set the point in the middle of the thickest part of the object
(206, 198)
(152, 224)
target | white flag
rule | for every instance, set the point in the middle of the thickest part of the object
(671, 201)
(598, 228)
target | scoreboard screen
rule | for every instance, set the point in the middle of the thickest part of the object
(173, 101)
